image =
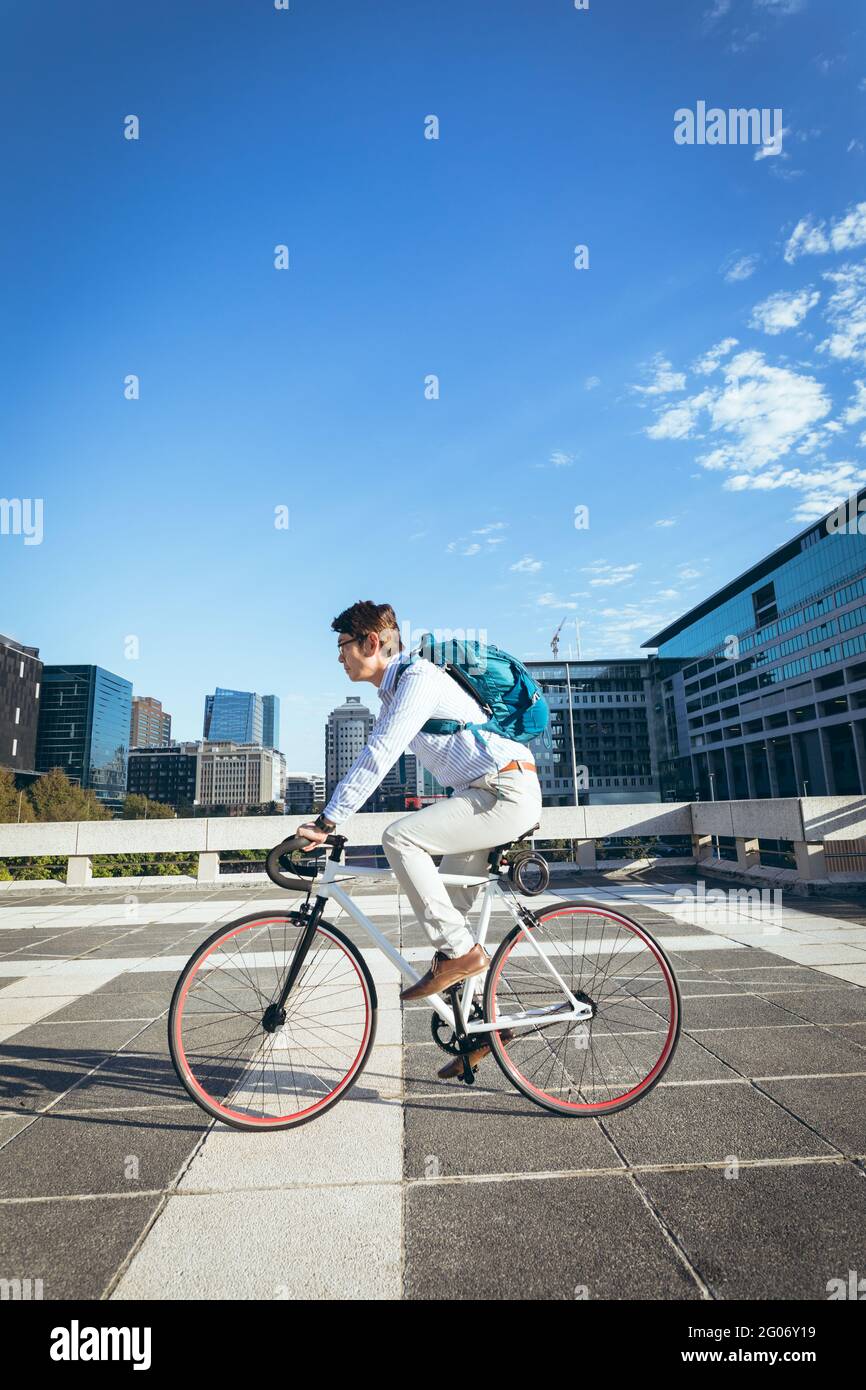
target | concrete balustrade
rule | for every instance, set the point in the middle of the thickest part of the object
(807, 822)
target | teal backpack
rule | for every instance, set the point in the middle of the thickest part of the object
(510, 698)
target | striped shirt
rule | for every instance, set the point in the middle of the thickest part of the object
(424, 692)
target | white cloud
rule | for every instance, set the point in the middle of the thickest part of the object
(606, 575)
(856, 411)
(810, 238)
(846, 313)
(526, 566)
(471, 550)
(739, 267)
(761, 413)
(854, 147)
(665, 379)
(666, 521)
(780, 7)
(549, 600)
(678, 421)
(621, 630)
(491, 526)
(710, 360)
(668, 593)
(560, 460)
(688, 572)
(823, 488)
(783, 310)
(591, 383)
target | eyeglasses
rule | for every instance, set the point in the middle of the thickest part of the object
(348, 642)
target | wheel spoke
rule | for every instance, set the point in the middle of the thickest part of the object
(615, 965)
(257, 1077)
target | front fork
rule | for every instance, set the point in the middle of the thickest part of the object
(275, 1014)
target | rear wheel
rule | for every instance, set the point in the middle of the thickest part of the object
(251, 1065)
(616, 967)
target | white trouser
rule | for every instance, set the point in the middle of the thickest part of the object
(463, 828)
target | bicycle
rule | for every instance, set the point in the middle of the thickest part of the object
(273, 1018)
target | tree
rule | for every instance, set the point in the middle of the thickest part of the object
(137, 807)
(12, 800)
(53, 797)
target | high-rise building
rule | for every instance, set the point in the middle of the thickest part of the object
(346, 732)
(609, 708)
(236, 775)
(166, 774)
(270, 721)
(20, 688)
(150, 726)
(233, 716)
(84, 728)
(762, 686)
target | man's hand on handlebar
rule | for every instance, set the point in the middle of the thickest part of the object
(314, 835)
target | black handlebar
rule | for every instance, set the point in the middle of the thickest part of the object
(293, 843)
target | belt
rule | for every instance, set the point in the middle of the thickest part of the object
(513, 767)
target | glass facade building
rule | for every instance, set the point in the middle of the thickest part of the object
(270, 721)
(84, 723)
(233, 716)
(762, 687)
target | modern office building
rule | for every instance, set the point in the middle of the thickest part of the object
(305, 792)
(168, 774)
(270, 721)
(241, 716)
(84, 728)
(20, 689)
(609, 707)
(233, 716)
(279, 780)
(150, 726)
(762, 686)
(346, 732)
(235, 775)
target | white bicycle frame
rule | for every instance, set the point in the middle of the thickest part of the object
(328, 887)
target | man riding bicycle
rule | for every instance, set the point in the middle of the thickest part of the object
(496, 793)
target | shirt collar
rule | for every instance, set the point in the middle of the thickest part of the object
(390, 676)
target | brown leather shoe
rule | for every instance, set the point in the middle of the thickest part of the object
(446, 971)
(455, 1066)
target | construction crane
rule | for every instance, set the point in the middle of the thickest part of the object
(554, 641)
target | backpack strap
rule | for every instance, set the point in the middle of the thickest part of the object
(450, 726)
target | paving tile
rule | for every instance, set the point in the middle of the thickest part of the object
(37, 1241)
(789, 1051)
(41, 1062)
(706, 1124)
(771, 1233)
(63, 1154)
(482, 1241)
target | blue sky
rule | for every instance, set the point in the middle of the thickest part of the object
(695, 388)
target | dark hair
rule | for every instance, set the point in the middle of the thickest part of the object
(365, 617)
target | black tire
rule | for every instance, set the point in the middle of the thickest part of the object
(647, 1011)
(327, 937)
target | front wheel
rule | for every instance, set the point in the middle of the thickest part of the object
(244, 1060)
(616, 968)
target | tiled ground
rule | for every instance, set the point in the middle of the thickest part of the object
(741, 1175)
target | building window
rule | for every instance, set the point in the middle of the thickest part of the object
(14, 747)
(17, 715)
